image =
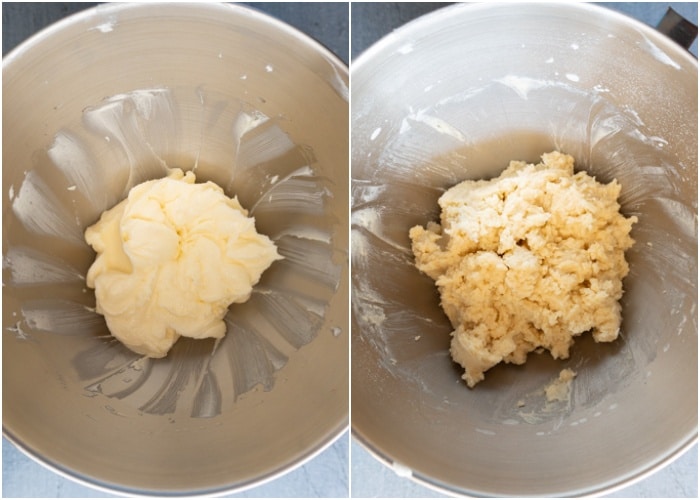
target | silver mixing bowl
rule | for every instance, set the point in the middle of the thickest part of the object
(457, 94)
(102, 101)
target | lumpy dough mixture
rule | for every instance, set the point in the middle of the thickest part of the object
(528, 260)
(171, 258)
(560, 388)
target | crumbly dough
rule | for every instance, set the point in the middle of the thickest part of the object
(170, 260)
(527, 260)
(560, 388)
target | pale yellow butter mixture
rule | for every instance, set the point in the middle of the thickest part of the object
(528, 260)
(171, 258)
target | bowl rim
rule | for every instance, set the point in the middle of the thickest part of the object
(107, 9)
(603, 489)
(95, 484)
(419, 24)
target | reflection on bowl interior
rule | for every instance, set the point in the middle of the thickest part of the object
(136, 136)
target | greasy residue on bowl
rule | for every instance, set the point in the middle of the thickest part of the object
(406, 167)
(137, 134)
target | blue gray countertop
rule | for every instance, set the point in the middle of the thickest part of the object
(343, 466)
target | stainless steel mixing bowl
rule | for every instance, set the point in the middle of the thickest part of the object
(111, 97)
(455, 95)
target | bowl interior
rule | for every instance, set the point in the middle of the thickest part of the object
(112, 97)
(456, 95)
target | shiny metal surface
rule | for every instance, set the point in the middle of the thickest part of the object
(455, 95)
(102, 101)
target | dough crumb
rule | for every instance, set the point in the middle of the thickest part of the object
(171, 258)
(560, 388)
(526, 261)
